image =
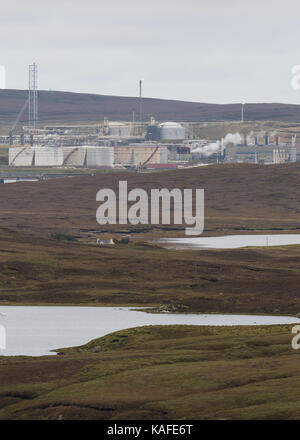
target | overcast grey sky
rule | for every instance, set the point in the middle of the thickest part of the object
(198, 50)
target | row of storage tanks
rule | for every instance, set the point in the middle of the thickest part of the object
(92, 156)
(163, 131)
(88, 156)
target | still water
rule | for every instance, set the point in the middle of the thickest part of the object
(232, 241)
(34, 331)
(12, 180)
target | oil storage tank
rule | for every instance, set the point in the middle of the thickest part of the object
(48, 156)
(20, 156)
(172, 131)
(75, 156)
(36, 156)
(100, 157)
(118, 129)
(88, 156)
(137, 154)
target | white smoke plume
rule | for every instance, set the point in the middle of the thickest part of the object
(231, 138)
(207, 150)
(214, 147)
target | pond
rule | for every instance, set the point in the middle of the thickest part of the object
(14, 180)
(34, 331)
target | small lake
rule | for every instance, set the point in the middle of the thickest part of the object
(14, 180)
(232, 241)
(34, 331)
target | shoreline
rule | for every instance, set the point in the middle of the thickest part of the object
(219, 320)
(139, 308)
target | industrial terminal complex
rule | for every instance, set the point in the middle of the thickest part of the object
(136, 145)
(140, 146)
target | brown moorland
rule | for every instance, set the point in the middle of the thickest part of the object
(36, 270)
(238, 198)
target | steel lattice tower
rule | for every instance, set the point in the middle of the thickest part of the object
(33, 96)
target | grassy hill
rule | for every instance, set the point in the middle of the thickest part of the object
(159, 373)
(81, 107)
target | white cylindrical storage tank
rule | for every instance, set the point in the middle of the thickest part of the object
(171, 131)
(118, 129)
(74, 156)
(48, 156)
(100, 157)
(20, 156)
(163, 154)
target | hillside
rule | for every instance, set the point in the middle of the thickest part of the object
(80, 107)
(159, 373)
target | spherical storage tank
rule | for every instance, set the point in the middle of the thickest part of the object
(171, 130)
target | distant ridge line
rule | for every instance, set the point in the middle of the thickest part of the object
(70, 107)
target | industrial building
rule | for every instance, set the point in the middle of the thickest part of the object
(77, 156)
(249, 153)
(268, 153)
(179, 153)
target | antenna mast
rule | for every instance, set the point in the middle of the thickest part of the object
(33, 97)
